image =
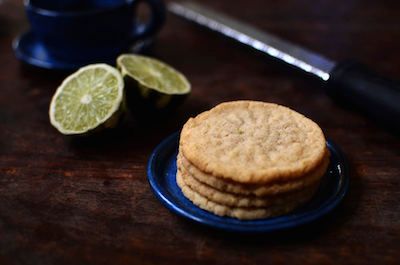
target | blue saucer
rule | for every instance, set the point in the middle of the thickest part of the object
(161, 172)
(31, 51)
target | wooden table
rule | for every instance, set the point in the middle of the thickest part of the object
(88, 201)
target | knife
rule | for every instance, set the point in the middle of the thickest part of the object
(349, 81)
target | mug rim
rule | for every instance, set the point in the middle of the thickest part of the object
(54, 13)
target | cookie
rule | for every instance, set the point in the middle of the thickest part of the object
(250, 160)
(246, 201)
(274, 188)
(253, 142)
(240, 213)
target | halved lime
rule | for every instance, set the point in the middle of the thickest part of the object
(88, 100)
(152, 85)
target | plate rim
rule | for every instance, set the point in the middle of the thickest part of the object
(249, 226)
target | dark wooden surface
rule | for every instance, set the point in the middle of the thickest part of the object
(88, 201)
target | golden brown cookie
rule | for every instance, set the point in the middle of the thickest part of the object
(234, 212)
(253, 142)
(273, 188)
(250, 159)
(246, 201)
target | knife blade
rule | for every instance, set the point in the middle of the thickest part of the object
(348, 81)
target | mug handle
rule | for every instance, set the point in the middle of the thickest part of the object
(156, 20)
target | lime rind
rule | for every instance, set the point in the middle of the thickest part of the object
(87, 99)
(154, 74)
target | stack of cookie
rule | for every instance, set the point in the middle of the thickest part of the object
(250, 160)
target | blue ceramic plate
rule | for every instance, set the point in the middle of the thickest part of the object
(161, 172)
(28, 49)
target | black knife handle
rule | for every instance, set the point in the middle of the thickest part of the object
(378, 97)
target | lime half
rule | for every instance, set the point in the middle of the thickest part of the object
(152, 85)
(88, 100)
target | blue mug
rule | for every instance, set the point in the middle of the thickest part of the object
(91, 30)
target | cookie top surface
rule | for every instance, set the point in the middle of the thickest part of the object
(253, 142)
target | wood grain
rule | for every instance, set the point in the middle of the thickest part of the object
(88, 201)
